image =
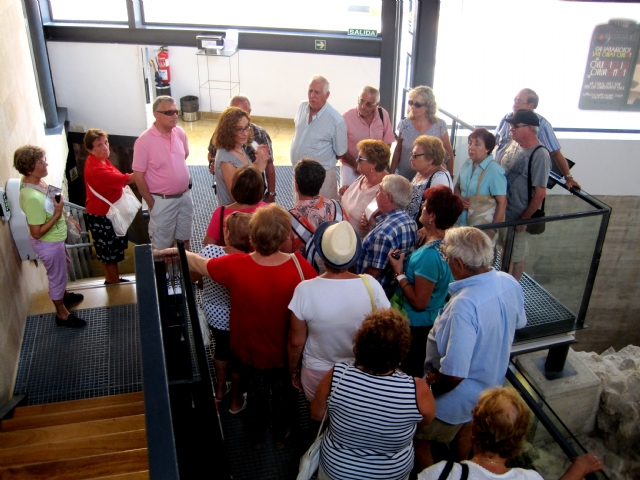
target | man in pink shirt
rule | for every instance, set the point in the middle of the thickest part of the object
(162, 176)
(367, 121)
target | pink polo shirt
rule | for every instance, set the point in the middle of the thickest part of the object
(162, 160)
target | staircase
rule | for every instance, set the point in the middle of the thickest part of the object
(97, 438)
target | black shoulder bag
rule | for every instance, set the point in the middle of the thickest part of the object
(449, 466)
(535, 228)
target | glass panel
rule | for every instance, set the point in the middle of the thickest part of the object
(89, 10)
(330, 15)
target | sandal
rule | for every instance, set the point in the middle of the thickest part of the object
(234, 413)
(225, 393)
(280, 444)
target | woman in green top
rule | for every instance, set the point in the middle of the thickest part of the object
(423, 287)
(47, 229)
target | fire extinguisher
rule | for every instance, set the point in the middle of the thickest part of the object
(163, 65)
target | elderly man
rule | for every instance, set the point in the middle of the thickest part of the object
(469, 345)
(162, 176)
(367, 121)
(527, 99)
(522, 203)
(394, 230)
(312, 209)
(320, 134)
(261, 137)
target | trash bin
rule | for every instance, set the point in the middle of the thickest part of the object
(163, 89)
(190, 108)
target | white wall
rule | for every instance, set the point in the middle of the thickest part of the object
(101, 85)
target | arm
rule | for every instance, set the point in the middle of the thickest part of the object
(131, 180)
(447, 146)
(465, 203)
(534, 204)
(228, 169)
(419, 295)
(582, 466)
(426, 403)
(38, 231)
(143, 188)
(271, 182)
(374, 272)
(441, 383)
(501, 208)
(347, 159)
(396, 155)
(563, 166)
(298, 332)
(210, 241)
(319, 403)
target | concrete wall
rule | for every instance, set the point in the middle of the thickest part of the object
(21, 122)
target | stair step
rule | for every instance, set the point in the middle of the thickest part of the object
(71, 405)
(82, 468)
(75, 448)
(57, 433)
(78, 416)
(144, 475)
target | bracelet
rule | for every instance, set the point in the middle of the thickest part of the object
(400, 277)
(272, 194)
(567, 177)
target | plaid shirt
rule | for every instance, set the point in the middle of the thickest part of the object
(394, 230)
(261, 137)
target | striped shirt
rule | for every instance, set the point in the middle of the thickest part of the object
(545, 134)
(372, 422)
(324, 139)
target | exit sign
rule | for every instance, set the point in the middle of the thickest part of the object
(321, 44)
(361, 32)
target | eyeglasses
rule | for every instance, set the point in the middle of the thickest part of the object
(416, 155)
(169, 113)
(243, 130)
(515, 127)
(39, 163)
(361, 159)
(416, 104)
(368, 104)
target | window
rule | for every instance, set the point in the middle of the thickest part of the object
(89, 10)
(328, 15)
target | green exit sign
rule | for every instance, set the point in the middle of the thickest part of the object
(361, 32)
(321, 44)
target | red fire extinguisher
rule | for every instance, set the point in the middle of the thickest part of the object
(163, 65)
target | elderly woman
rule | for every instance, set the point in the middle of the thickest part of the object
(422, 120)
(261, 285)
(373, 407)
(216, 304)
(230, 137)
(427, 158)
(482, 181)
(247, 188)
(498, 429)
(102, 177)
(47, 230)
(327, 311)
(423, 283)
(373, 159)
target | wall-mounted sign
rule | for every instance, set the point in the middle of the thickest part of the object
(321, 44)
(362, 32)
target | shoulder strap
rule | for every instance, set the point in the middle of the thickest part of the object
(430, 179)
(299, 229)
(367, 284)
(530, 185)
(99, 196)
(221, 222)
(295, 260)
(381, 117)
(480, 179)
(465, 471)
(446, 470)
(324, 417)
(339, 216)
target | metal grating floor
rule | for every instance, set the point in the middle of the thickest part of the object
(542, 307)
(59, 363)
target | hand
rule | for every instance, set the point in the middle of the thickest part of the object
(269, 198)
(465, 203)
(212, 167)
(58, 206)
(396, 264)
(151, 203)
(262, 157)
(343, 189)
(364, 223)
(521, 228)
(167, 253)
(296, 381)
(571, 183)
(585, 464)
(75, 224)
(432, 377)
(422, 235)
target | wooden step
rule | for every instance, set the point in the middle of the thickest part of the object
(78, 416)
(75, 448)
(57, 433)
(81, 468)
(144, 475)
(84, 404)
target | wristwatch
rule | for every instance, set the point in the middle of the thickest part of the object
(567, 177)
(272, 194)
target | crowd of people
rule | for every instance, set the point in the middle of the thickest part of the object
(376, 298)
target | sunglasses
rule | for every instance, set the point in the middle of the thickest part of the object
(416, 104)
(169, 113)
(515, 127)
(361, 159)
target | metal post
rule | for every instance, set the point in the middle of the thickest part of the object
(41, 60)
(556, 358)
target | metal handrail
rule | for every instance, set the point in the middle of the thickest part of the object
(80, 253)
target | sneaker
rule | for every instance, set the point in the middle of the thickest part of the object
(169, 287)
(177, 285)
(72, 321)
(71, 298)
(122, 280)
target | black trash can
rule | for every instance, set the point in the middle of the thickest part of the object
(190, 107)
(163, 89)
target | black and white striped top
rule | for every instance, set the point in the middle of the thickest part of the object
(372, 422)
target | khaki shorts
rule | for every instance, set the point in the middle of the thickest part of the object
(170, 218)
(438, 431)
(520, 244)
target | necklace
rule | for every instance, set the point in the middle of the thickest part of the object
(485, 460)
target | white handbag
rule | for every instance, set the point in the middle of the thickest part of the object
(123, 211)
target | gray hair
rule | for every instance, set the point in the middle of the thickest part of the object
(323, 80)
(160, 99)
(429, 98)
(239, 98)
(470, 245)
(532, 97)
(535, 130)
(368, 89)
(399, 188)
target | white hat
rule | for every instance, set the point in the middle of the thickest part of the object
(337, 244)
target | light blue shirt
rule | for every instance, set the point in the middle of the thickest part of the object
(324, 139)
(493, 182)
(545, 134)
(472, 339)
